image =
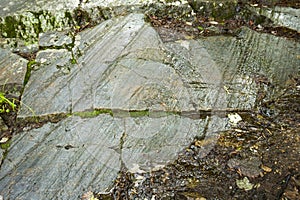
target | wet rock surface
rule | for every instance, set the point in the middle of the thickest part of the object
(127, 99)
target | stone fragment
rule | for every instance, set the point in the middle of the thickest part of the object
(54, 39)
(12, 71)
(248, 167)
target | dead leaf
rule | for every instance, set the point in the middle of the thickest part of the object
(266, 168)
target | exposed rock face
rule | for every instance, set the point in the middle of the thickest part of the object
(122, 64)
(281, 16)
(12, 72)
(133, 101)
(62, 160)
(58, 161)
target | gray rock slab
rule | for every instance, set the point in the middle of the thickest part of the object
(64, 160)
(234, 64)
(53, 67)
(54, 39)
(12, 69)
(143, 85)
(123, 65)
(100, 47)
(252, 53)
(220, 71)
(153, 142)
(281, 16)
(61, 161)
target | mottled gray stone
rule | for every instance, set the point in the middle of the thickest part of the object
(203, 78)
(153, 89)
(281, 16)
(252, 53)
(249, 167)
(54, 39)
(12, 69)
(53, 67)
(26, 19)
(8, 7)
(100, 47)
(115, 3)
(123, 64)
(127, 68)
(61, 161)
(151, 142)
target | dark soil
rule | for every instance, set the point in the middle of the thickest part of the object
(174, 28)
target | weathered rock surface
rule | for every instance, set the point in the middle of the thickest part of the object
(281, 16)
(12, 70)
(8, 7)
(160, 95)
(63, 160)
(252, 53)
(115, 3)
(55, 40)
(58, 161)
(248, 167)
(27, 19)
(123, 64)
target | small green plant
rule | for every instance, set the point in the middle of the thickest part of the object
(6, 105)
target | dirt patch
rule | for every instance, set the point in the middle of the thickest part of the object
(187, 26)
